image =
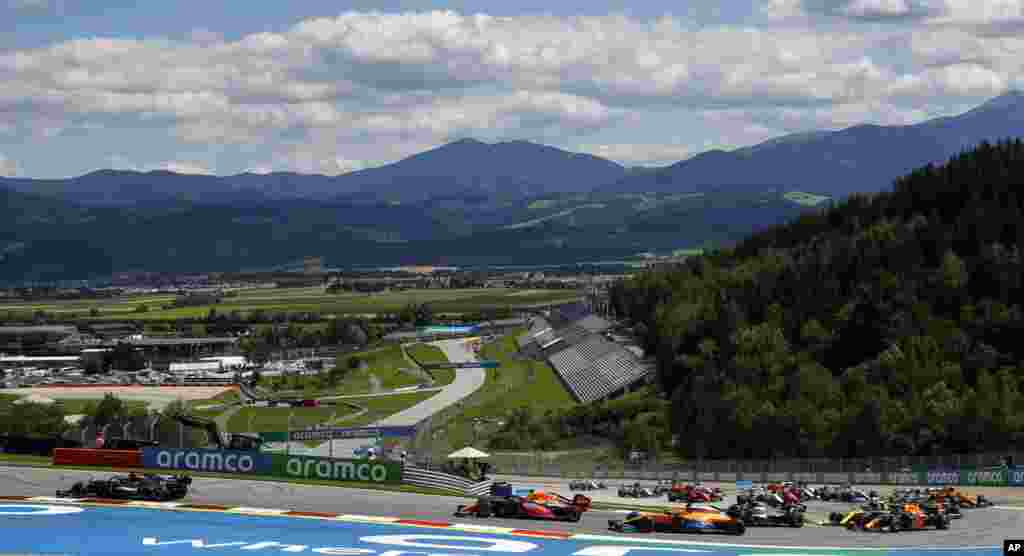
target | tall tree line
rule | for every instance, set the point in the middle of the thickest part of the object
(887, 324)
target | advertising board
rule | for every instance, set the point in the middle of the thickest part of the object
(106, 458)
(904, 478)
(807, 478)
(867, 478)
(1015, 476)
(325, 469)
(353, 432)
(215, 461)
(991, 476)
(942, 476)
(837, 478)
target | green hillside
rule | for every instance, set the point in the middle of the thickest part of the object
(887, 325)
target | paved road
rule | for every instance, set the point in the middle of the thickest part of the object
(466, 382)
(982, 527)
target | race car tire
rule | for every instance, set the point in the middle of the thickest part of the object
(574, 515)
(483, 507)
(797, 520)
(147, 494)
(835, 517)
(894, 526)
(942, 523)
(739, 529)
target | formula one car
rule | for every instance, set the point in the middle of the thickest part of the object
(547, 506)
(156, 488)
(681, 492)
(696, 518)
(586, 485)
(906, 517)
(952, 494)
(854, 518)
(636, 491)
(755, 514)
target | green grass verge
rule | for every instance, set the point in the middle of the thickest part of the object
(45, 462)
(385, 406)
(275, 419)
(514, 384)
(426, 354)
(385, 364)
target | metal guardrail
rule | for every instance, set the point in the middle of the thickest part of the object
(435, 479)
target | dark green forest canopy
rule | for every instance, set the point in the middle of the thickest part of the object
(888, 324)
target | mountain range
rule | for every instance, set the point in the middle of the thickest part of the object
(466, 202)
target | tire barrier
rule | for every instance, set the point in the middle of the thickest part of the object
(105, 458)
(443, 481)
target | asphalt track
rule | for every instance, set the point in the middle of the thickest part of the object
(979, 528)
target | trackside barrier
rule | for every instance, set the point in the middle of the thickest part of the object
(343, 470)
(106, 458)
(435, 479)
(215, 461)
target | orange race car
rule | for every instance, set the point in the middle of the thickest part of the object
(695, 518)
(954, 495)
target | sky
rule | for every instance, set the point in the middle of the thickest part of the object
(329, 87)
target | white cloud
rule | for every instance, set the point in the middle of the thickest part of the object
(335, 94)
(184, 167)
(638, 154)
(8, 167)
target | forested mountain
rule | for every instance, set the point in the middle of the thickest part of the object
(888, 324)
(465, 168)
(862, 158)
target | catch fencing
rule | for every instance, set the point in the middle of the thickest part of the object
(435, 479)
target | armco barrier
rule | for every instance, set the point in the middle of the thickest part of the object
(435, 479)
(344, 470)
(106, 458)
(970, 476)
(867, 478)
(214, 461)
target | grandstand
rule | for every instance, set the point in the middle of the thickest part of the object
(591, 367)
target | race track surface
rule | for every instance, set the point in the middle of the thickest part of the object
(979, 528)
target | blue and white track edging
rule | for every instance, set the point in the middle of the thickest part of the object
(461, 527)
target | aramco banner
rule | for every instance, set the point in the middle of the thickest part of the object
(213, 461)
(346, 470)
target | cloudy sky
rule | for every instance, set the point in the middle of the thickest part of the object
(320, 86)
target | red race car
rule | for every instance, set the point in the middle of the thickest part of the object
(552, 507)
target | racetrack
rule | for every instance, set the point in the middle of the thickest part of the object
(979, 528)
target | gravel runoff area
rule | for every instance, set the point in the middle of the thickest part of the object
(158, 397)
(979, 528)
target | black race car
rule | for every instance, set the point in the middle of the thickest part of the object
(586, 485)
(754, 514)
(157, 488)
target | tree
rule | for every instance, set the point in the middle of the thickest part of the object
(109, 408)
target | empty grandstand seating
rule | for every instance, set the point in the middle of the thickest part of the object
(591, 367)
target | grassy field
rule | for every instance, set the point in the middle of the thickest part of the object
(385, 406)
(426, 353)
(275, 419)
(516, 383)
(77, 407)
(383, 369)
(292, 300)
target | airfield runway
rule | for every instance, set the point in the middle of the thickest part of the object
(986, 527)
